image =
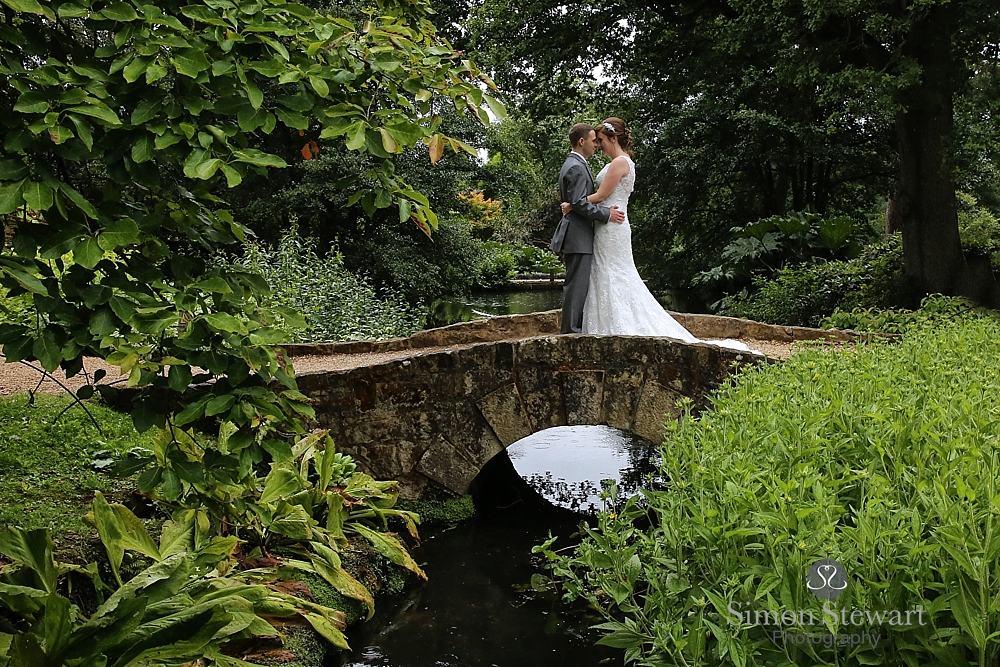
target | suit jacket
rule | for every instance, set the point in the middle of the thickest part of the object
(575, 232)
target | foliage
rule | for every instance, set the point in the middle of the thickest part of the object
(979, 229)
(47, 447)
(335, 304)
(803, 295)
(934, 309)
(308, 502)
(483, 213)
(883, 458)
(119, 127)
(184, 607)
(764, 247)
(496, 267)
(532, 259)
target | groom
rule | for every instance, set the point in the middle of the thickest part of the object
(574, 236)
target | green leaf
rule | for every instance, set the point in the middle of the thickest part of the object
(259, 158)
(496, 107)
(119, 233)
(356, 135)
(320, 86)
(225, 322)
(12, 170)
(121, 531)
(37, 196)
(280, 483)
(47, 350)
(326, 630)
(233, 177)
(179, 377)
(26, 280)
(389, 547)
(119, 11)
(82, 131)
(28, 6)
(33, 548)
(97, 110)
(88, 253)
(268, 336)
(327, 565)
(219, 404)
(254, 94)
(78, 199)
(12, 196)
(190, 62)
(32, 101)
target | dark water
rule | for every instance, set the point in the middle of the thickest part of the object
(478, 608)
(450, 310)
(465, 309)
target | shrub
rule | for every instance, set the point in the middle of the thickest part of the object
(805, 294)
(884, 458)
(934, 309)
(496, 265)
(979, 229)
(336, 304)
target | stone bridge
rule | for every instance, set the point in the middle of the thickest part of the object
(454, 397)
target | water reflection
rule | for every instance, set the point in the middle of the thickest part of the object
(465, 309)
(571, 465)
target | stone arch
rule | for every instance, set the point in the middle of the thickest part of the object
(440, 416)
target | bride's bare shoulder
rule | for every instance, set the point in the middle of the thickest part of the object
(622, 164)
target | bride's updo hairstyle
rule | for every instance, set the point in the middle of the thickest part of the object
(615, 127)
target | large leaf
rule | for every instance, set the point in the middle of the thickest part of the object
(281, 482)
(390, 547)
(327, 564)
(121, 531)
(32, 548)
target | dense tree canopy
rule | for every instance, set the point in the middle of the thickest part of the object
(120, 124)
(753, 109)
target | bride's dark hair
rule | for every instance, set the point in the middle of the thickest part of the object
(615, 127)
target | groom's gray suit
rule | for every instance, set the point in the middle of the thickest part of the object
(574, 237)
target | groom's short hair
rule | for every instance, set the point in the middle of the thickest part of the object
(579, 131)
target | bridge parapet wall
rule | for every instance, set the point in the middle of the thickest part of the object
(442, 415)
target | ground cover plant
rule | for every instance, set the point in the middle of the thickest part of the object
(883, 457)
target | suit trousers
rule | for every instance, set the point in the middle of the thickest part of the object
(575, 290)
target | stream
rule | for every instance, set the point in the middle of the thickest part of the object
(478, 608)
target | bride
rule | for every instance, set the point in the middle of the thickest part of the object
(618, 302)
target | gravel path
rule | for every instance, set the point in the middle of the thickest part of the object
(21, 377)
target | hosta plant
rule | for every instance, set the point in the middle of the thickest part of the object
(184, 607)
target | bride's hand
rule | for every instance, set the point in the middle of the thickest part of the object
(566, 208)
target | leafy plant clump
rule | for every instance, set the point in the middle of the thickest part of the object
(803, 295)
(883, 458)
(934, 309)
(335, 304)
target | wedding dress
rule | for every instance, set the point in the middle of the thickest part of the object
(618, 302)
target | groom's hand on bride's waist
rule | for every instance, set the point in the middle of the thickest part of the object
(617, 215)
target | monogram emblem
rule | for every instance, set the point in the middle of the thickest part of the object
(826, 579)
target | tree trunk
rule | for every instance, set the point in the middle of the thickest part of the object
(925, 199)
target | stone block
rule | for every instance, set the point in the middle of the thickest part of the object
(621, 392)
(656, 405)
(506, 415)
(583, 394)
(447, 465)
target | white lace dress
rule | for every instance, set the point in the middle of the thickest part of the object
(618, 302)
